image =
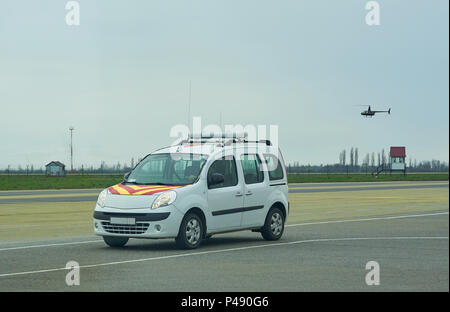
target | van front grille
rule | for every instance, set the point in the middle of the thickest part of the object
(139, 228)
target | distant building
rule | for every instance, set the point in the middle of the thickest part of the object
(397, 156)
(55, 169)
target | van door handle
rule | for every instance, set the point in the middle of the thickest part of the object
(248, 193)
(238, 194)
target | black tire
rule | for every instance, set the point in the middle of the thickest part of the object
(274, 226)
(191, 232)
(115, 241)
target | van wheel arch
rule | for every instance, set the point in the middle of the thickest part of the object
(281, 206)
(202, 216)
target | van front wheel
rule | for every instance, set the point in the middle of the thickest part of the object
(191, 231)
(115, 241)
(274, 226)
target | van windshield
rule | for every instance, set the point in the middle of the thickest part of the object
(168, 169)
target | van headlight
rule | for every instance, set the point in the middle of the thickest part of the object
(102, 197)
(164, 199)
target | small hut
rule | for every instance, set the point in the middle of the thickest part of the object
(55, 169)
(397, 157)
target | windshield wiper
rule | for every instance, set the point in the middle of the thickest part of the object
(151, 183)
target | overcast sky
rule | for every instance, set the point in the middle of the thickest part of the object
(121, 78)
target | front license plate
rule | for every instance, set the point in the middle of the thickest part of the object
(126, 221)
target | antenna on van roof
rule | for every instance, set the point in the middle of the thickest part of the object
(189, 105)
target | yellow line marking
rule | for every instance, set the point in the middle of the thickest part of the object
(49, 196)
(297, 187)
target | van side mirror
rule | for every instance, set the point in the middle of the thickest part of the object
(216, 178)
(126, 175)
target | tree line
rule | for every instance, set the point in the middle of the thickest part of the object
(103, 168)
(350, 161)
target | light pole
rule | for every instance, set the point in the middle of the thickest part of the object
(71, 149)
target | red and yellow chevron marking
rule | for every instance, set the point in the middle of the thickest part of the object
(120, 189)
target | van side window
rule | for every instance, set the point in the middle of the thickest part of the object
(227, 167)
(274, 167)
(251, 165)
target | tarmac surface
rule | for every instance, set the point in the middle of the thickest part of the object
(411, 248)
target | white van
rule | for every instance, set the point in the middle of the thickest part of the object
(191, 191)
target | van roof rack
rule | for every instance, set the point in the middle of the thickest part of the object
(212, 135)
(223, 139)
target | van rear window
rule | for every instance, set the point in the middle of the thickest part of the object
(274, 167)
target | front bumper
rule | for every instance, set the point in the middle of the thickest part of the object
(163, 223)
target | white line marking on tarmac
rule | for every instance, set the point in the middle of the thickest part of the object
(233, 249)
(289, 225)
(371, 219)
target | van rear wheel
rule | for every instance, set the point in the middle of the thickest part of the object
(115, 241)
(274, 226)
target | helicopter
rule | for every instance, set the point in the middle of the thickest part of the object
(370, 113)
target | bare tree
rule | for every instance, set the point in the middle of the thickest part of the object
(356, 157)
(352, 159)
(102, 166)
(373, 160)
(435, 165)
